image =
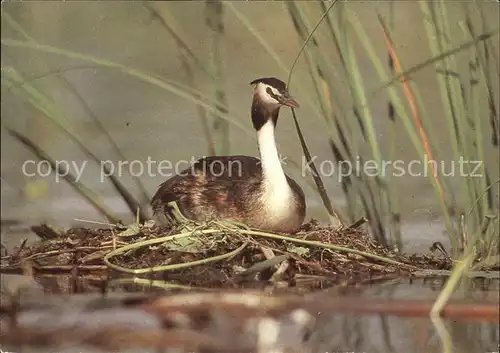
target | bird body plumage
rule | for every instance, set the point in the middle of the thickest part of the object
(244, 189)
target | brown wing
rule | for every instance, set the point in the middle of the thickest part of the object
(208, 179)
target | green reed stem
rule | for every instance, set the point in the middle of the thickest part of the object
(61, 170)
(215, 22)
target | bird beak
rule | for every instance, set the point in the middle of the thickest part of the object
(289, 102)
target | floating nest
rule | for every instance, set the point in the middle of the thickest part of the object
(217, 255)
(259, 277)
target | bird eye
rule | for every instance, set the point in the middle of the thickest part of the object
(272, 94)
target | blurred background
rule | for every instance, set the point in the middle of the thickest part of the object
(113, 80)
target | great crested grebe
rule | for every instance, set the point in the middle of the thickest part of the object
(244, 189)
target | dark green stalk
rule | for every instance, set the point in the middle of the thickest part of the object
(122, 190)
(493, 75)
(480, 63)
(408, 73)
(215, 22)
(316, 176)
(167, 21)
(476, 150)
(144, 194)
(393, 218)
(50, 111)
(167, 85)
(202, 112)
(351, 185)
(459, 107)
(373, 205)
(311, 58)
(379, 195)
(68, 176)
(453, 100)
(187, 55)
(487, 72)
(402, 113)
(360, 184)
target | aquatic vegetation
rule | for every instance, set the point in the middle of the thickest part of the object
(335, 46)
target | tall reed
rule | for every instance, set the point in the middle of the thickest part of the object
(379, 196)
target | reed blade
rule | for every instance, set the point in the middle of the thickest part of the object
(84, 191)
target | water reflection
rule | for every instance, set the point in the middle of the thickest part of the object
(326, 330)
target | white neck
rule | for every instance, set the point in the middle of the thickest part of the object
(275, 179)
